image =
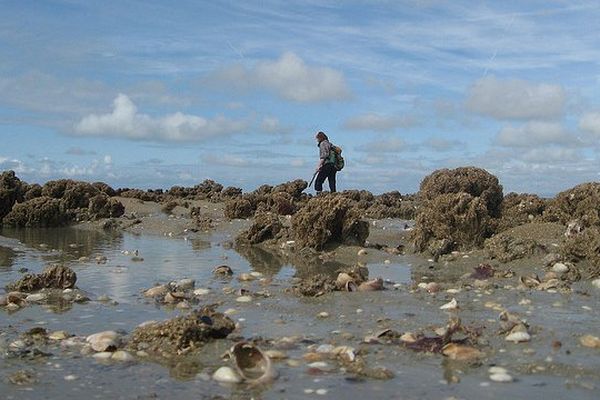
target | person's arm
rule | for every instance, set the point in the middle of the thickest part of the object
(323, 154)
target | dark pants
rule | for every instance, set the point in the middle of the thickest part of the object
(327, 171)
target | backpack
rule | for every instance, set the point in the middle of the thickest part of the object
(338, 160)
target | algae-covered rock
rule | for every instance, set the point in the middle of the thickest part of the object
(102, 206)
(55, 276)
(11, 191)
(41, 211)
(462, 219)
(584, 246)
(238, 208)
(327, 219)
(580, 202)
(472, 180)
(181, 334)
(265, 227)
(32, 191)
(518, 209)
(505, 247)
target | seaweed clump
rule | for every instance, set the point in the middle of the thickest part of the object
(460, 207)
(181, 334)
(329, 219)
(55, 277)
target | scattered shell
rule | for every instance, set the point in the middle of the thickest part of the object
(201, 292)
(371, 285)
(362, 252)
(156, 291)
(58, 335)
(35, 297)
(252, 364)
(461, 352)
(518, 337)
(343, 278)
(226, 375)
(323, 314)
(451, 305)
(104, 341)
(222, 270)
(501, 377)
(123, 356)
(590, 341)
(408, 337)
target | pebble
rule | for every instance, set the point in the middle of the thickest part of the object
(560, 268)
(323, 314)
(501, 377)
(226, 375)
(451, 305)
(596, 283)
(103, 341)
(35, 297)
(201, 292)
(103, 355)
(185, 284)
(518, 337)
(70, 377)
(58, 335)
(321, 392)
(362, 252)
(123, 356)
(590, 341)
(244, 299)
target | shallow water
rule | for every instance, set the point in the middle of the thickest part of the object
(540, 371)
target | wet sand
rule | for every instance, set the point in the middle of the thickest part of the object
(551, 364)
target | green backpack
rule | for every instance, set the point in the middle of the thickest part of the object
(338, 160)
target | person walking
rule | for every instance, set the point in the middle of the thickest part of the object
(326, 166)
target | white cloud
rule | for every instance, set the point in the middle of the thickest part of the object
(125, 121)
(12, 164)
(272, 125)
(590, 122)
(377, 122)
(228, 160)
(391, 145)
(440, 144)
(534, 133)
(78, 151)
(516, 99)
(290, 78)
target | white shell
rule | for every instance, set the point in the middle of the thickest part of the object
(451, 305)
(121, 355)
(560, 268)
(104, 341)
(518, 337)
(226, 375)
(501, 377)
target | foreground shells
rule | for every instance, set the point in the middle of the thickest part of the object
(252, 364)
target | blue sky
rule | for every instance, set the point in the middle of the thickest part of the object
(153, 94)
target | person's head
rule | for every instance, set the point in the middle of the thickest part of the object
(321, 136)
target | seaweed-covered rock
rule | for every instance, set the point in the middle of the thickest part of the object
(11, 191)
(55, 276)
(102, 206)
(140, 194)
(475, 181)
(231, 192)
(580, 202)
(105, 188)
(239, 208)
(391, 205)
(518, 209)
(265, 227)
(32, 191)
(584, 246)
(458, 217)
(208, 190)
(506, 247)
(41, 211)
(181, 334)
(293, 188)
(326, 219)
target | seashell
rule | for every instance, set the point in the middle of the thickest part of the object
(226, 375)
(276, 354)
(433, 287)
(362, 252)
(201, 292)
(549, 284)
(185, 284)
(501, 377)
(252, 364)
(518, 337)
(123, 356)
(104, 341)
(347, 352)
(451, 305)
(35, 297)
(590, 341)
(156, 291)
(244, 277)
(408, 337)
(372, 285)
(103, 355)
(343, 278)
(58, 335)
(351, 286)
(530, 282)
(222, 270)
(560, 268)
(596, 283)
(461, 352)
(244, 299)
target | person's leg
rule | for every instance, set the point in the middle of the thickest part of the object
(320, 179)
(331, 178)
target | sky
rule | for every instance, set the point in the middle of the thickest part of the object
(152, 94)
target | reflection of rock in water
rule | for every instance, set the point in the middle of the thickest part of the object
(72, 242)
(262, 260)
(199, 244)
(270, 261)
(7, 257)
